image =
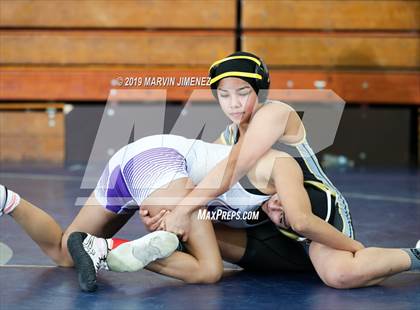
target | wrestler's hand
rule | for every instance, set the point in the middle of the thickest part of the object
(152, 223)
(177, 222)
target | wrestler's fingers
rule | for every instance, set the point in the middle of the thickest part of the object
(144, 212)
(183, 235)
(151, 220)
(156, 225)
(158, 217)
(162, 226)
(144, 216)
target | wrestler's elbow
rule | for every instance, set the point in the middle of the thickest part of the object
(300, 223)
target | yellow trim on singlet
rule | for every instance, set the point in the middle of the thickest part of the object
(235, 73)
(325, 188)
(319, 183)
(322, 187)
(231, 137)
(222, 138)
(257, 61)
(289, 234)
(306, 163)
(327, 191)
(322, 178)
(226, 137)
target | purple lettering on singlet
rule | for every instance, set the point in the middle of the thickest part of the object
(144, 171)
(118, 193)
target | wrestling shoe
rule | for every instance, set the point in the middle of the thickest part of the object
(89, 256)
(135, 255)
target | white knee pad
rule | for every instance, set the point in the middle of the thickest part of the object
(9, 200)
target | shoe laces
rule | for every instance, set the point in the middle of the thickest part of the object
(97, 254)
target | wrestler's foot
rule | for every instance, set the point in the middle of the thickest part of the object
(135, 255)
(89, 256)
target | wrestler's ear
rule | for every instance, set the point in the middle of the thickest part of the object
(275, 216)
(275, 199)
(264, 206)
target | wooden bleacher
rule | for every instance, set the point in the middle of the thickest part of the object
(72, 51)
(331, 15)
(32, 132)
(366, 51)
(115, 14)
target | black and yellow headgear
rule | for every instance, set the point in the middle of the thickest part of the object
(245, 66)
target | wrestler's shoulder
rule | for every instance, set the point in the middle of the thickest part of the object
(275, 107)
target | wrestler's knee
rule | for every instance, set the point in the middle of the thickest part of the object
(343, 276)
(60, 257)
(59, 253)
(208, 273)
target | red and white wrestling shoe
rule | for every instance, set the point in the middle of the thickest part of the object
(135, 255)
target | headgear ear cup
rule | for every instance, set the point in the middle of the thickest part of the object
(264, 83)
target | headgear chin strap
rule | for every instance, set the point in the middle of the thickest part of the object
(245, 66)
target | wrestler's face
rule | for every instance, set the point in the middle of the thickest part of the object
(275, 211)
(237, 99)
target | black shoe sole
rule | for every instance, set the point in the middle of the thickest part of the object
(85, 269)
